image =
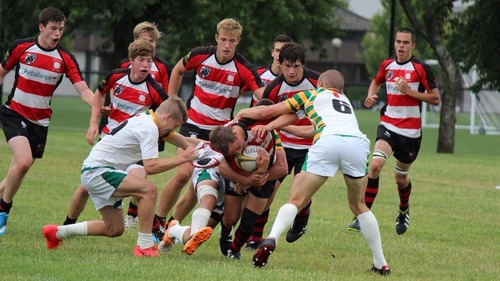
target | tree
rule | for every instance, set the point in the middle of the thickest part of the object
(475, 41)
(434, 26)
(186, 24)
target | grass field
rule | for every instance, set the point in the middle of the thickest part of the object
(454, 232)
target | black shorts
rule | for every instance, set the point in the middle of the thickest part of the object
(405, 149)
(192, 131)
(13, 125)
(264, 191)
(295, 159)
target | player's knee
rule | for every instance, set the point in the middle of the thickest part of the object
(183, 176)
(82, 193)
(115, 231)
(150, 192)
(23, 165)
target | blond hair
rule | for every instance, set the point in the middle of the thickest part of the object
(230, 26)
(140, 47)
(147, 27)
(174, 106)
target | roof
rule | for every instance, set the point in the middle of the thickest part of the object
(350, 21)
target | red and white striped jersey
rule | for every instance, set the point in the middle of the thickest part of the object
(129, 99)
(402, 114)
(271, 142)
(217, 86)
(160, 70)
(267, 76)
(278, 90)
(38, 73)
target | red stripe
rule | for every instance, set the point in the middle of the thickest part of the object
(34, 87)
(215, 101)
(202, 119)
(402, 100)
(31, 113)
(403, 123)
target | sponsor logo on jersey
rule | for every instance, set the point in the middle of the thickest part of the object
(118, 90)
(57, 65)
(389, 75)
(36, 74)
(30, 58)
(205, 71)
(142, 98)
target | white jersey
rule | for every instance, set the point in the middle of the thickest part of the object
(132, 140)
(330, 112)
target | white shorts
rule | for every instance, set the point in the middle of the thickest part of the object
(331, 153)
(101, 182)
(201, 174)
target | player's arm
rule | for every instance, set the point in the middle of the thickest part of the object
(263, 112)
(182, 141)
(259, 93)
(230, 174)
(299, 131)
(85, 93)
(176, 78)
(282, 121)
(157, 165)
(93, 130)
(432, 96)
(280, 168)
(3, 73)
(371, 98)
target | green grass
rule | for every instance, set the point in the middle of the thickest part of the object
(454, 232)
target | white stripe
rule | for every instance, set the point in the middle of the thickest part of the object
(213, 113)
(39, 75)
(411, 133)
(32, 100)
(402, 111)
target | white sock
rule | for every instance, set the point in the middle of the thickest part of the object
(144, 240)
(199, 219)
(369, 227)
(284, 219)
(177, 232)
(66, 231)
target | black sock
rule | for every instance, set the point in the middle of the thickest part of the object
(69, 221)
(4, 206)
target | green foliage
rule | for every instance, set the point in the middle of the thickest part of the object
(475, 41)
(376, 41)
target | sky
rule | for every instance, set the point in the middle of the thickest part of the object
(365, 8)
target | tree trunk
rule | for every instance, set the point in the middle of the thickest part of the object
(452, 88)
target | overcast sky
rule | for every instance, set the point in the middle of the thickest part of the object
(365, 8)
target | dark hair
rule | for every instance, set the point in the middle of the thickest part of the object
(50, 14)
(408, 30)
(282, 38)
(220, 139)
(292, 52)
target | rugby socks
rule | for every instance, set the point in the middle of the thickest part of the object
(258, 229)
(4, 206)
(305, 211)
(66, 231)
(132, 209)
(177, 231)
(69, 220)
(371, 192)
(244, 230)
(284, 219)
(404, 197)
(199, 219)
(370, 230)
(144, 240)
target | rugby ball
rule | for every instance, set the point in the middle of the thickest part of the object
(247, 160)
